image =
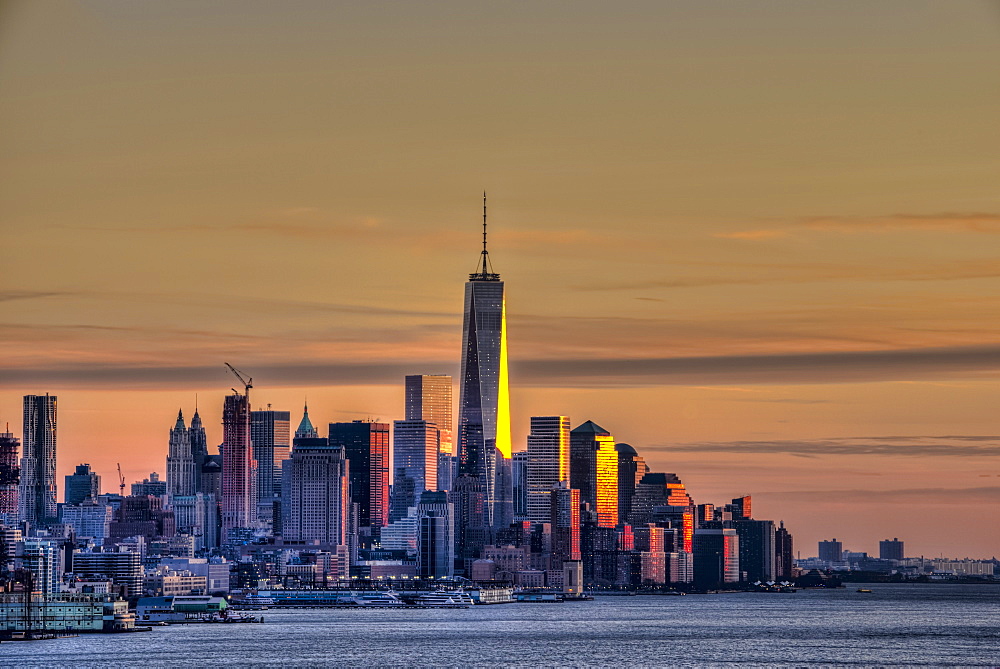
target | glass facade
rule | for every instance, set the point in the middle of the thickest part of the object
(270, 432)
(37, 493)
(428, 397)
(548, 463)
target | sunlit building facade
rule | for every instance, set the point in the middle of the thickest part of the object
(366, 446)
(428, 397)
(548, 463)
(716, 557)
(593, 464)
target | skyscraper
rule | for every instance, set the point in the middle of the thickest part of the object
(81, 484)
(239, 489)
(10, 477)
(428, 397)
(317, 487)
(366, 445)
(593, 470)
(484, 406)
(415, 450)
(269, 433)
(783, 553)
(435, 539)
(37, 492)
(548, 463)
(631, 469)
(199, 450)
(181, 471)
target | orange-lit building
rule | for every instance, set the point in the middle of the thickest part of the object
(593, 465)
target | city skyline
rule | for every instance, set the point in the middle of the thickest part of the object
(761, 260)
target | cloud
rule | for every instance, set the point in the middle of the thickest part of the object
(974, 222)
(807, 368)
(12, 295)
(948, 496)
(910, 446)
(752, 234)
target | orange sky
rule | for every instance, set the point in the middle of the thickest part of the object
(757, 242)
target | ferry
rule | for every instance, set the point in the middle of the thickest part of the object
(380, 599)
(864, 590)
(452, 599)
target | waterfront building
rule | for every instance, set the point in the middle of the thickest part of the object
(182, 477)
(88, 519)
(239, 482)
(366, 446)
(123, 568)
(548, 463)
(269, 434)
(317, 492)
(784, 555)
(37, 490)
(152, 486)
(716, 557)
(593, 470)
(485, 488)
(10, 477)
(757, 549)
(831, 551)
(81, 484)
(428, 397)
(890, 549)
(631, 469)
(64, 613)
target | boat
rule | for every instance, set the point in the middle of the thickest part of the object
(452, 599)
(864, 590)
(379, 599)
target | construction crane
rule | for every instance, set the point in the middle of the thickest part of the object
(121, 480)
(247, 382)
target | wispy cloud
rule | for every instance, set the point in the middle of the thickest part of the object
(948, 496)
(12, 295)
(909, 446)
(972, 222)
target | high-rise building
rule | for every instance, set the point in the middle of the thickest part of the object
(317, 489)
(716, 557)
(519, 484)
(593, 470)
(81, 484)
(740, 508)
(757, 549)
(631, 469)
(269, 433)
(428, 397)
(548, 464)
(239, 489)
(37, 492)
(784, 557)
(484, 488)
(149, 486)
(890, 549)
(435, 540)
(564, 515)
(182, 475)
(10, 477)
(366, 445)
(415, 449)
(199, 449)
(831, 551)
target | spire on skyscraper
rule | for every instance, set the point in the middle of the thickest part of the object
(484, 270)
(179, 425)
(306, 429)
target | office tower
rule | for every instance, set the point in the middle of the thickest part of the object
(269, 434)
(716, 557)
(564, 516)
(757, 548)
(239, 489)
(485, 489)
(10, 477)
(150, 486)
(37, 491)
(415, 448)
(317, 489)
(82, 484)
(890, 549)
(661, 498)
(428, 397)
(631, 469)
(181, 467)
(593, 470)
(831, 551)
(740, 508)
(88, 519)
(519, 484)
(548, 463)
(435, 539)
(784, 557)
(199, 449)
(366, 446)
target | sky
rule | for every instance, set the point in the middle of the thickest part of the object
(757, 241)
